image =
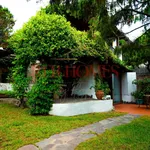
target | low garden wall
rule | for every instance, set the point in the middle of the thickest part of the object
(5, 86)
(77, 108)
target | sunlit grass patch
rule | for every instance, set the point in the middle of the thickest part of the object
(133, 136)
(18, 128)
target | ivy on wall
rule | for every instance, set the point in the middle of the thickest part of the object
(44, 37)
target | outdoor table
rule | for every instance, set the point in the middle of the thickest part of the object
(147, 100)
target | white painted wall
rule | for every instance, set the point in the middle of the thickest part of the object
(5, 86)
(84, 84)
(8, 86)
(77, 108)
(114, 44)
(128, 87)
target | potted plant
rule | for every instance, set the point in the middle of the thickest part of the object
(98, 87)
(101, 87)
(105, 88)
(138, 95)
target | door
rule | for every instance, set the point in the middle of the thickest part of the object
(116, 92)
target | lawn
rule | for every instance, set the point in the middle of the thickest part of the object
(18, 128)
(133, 136)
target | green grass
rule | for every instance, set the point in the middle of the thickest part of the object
(133, 136)
(18, 128)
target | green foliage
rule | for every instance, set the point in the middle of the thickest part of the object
(131, 11)
(31, 129)
(143, 88)
(41, 37)
(8, 93)
(6, 24)
(143, 85)
(20, 86)
(78, 8)
(44, 35)
(138, 94)
(32, 40)
(137, 52)
(20, 81)
(100, 84)
(122, 42)
(105, 88)
(40, 97)
(86, 15)
(106, 14)
(90, 46)
(95, 14)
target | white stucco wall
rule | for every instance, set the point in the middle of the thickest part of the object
(84, 84)
(77, 108)
(5, 86)
(114, 44)
(84, 87)
(128, 87)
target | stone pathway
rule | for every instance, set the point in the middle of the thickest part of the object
(70, 139)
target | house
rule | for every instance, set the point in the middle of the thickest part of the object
(78, 74)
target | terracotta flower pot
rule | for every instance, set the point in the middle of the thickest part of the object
(99, 94)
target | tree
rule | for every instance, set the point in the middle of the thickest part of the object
(137, 52)
(47, 36)
(40, 97)
(104, 16)
(6, 24)
(121, 11)
(87, 15)
(42, 37)
(130, 11)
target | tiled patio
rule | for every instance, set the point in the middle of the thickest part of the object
(132, 109)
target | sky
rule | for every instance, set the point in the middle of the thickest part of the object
(23, 10)
(135, 34)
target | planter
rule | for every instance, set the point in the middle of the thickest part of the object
(99, 94)
(139, 101)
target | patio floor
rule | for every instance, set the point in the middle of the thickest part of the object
(132, 109)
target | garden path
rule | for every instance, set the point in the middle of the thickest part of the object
(70, 139)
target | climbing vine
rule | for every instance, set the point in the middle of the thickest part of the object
(44, 37)
(40, 97)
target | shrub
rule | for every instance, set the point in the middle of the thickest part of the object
(138, 94)
(143, 85)
(20, 84)
(40, 97)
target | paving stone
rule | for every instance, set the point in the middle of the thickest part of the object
(49, 147)
(45, 142)
(28, 147)
(58, 142)
(63, 147)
